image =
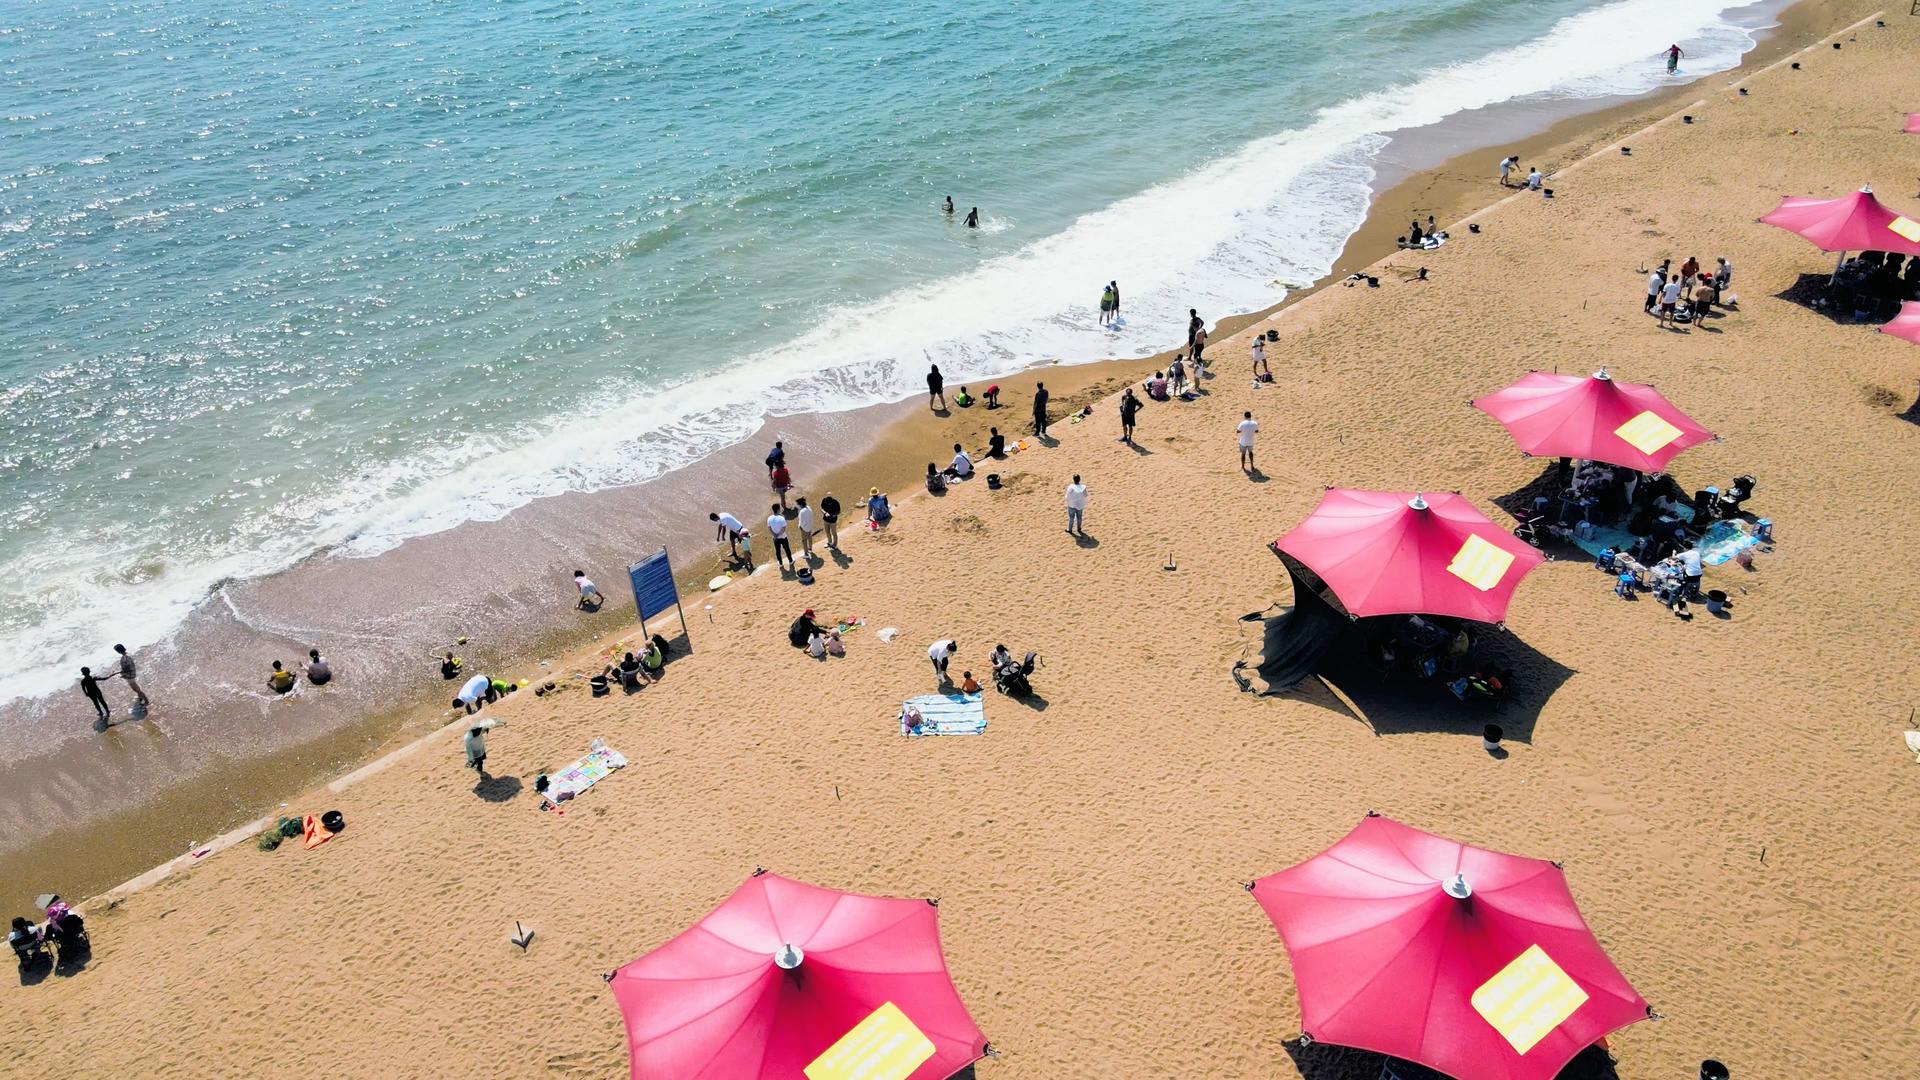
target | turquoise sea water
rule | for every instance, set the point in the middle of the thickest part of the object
(289, 278)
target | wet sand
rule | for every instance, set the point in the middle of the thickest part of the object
(89, 811)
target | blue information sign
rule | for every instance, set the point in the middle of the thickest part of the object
(653, 589)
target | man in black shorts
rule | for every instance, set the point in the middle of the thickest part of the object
(1040, 409)
(830, 517)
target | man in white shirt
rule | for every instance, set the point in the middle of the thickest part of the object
(805, 521)
(1654, 281)
(1669, 299)
(777, 528)
(1690, 565)
(1506, 168)
(962, 466)
(1533, 180)
(472, 693)
(1260, 367)
(1247, 427)
(727, 528)
(1076, 505)
(940, 652)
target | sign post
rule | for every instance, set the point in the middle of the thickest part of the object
(653, 589)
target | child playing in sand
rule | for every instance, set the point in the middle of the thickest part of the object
(967, 683)
(590, 598)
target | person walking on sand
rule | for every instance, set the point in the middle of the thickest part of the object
(803, 517)
(475, 746)
(936, 387)
(91, 687)
(126, 672)
(830, 520)
(940, 652)
(776, 457)
(1040, 410)
(1076, 506)
(590, 598)
(777, 528)
(1261, 372)
(728, 528)
(1674, 53)
(1106, 305)
(973, 218)
(782, 483)
(1247, 428)
(1129, 412)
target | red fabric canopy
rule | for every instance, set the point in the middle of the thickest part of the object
(727, 1000)
(1855, 222)
(1393, 552)
(1596, 417)
(1461, 959)
(1907, 323)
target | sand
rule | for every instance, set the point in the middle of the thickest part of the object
(1730, 797)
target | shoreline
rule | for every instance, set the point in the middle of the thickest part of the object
(893, 443)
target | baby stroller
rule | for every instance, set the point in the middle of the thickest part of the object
(1011, 678)
(1530, 528)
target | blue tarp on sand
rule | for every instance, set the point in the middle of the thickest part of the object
(946, 714)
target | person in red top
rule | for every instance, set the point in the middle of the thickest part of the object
(782, 480)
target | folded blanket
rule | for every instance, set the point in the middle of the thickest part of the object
(944, 714)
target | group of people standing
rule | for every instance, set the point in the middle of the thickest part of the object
(1699, 291)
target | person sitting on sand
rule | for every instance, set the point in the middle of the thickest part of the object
(1534, 178)
(936, 482)
(1156, 387)
(654, 660)
(280, 680)
(803, 628)
(27, 941)
(968, 685)
(817, 646)
(630, 672)
(878, 512)
(996, 443)
(963, 399)
(962, 467)
(450, 666)
(835, 647)
(590, 598)
(319, 672)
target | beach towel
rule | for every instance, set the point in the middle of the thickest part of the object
(569, 782)
(1725, 539)
(1599, 538)
(316, 833)
(945, 714)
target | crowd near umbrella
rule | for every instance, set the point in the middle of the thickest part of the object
(1461, 959)
(1856, 222)
(1401, 553)
(1906, 324)
(1594, 417)
(787, 980)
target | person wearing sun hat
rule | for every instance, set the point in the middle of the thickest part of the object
(878, 512)
(802, 630)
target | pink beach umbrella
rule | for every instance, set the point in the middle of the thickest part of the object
(1462, 959)
(1906, 324)
(1594, 417)
(1397, 552)
(1856, 222)
(1913, 123)
(789, 980)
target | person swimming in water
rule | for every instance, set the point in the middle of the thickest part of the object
(973, 218)
(949, 207)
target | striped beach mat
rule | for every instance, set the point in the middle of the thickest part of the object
(1725, 539)
(583, 774)
(944, 714)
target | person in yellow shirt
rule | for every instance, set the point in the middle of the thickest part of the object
(280, 679)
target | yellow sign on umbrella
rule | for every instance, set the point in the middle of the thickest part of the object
(1479, 563)
(884, 1046)
(1528, 998)
(1647, 432)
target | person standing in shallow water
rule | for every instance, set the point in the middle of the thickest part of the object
(949, 207)
(126, 674)
(973, 218)
(91, 687)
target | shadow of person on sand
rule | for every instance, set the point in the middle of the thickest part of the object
(1086, 540)
(35, 971)
(74, 958)
(1256, 476)
(497, 789)
(840, 558)
(1032, 701)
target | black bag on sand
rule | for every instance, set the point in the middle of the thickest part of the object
(333, 821)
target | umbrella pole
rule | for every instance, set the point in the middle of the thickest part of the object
(1837, 264)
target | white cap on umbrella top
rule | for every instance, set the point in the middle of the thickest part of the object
(1457, 887)
(1418, 502)
(788, 957)
(1602, 374)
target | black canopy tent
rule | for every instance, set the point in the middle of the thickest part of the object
(1294, 642)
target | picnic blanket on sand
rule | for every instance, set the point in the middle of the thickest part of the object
(569, 782)
(1725, 539)
(945, 714)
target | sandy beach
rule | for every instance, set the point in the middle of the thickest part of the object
(1730, 797)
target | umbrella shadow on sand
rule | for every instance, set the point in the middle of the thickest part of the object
(1817, 294)
(1400, 704)
(1324, 1061)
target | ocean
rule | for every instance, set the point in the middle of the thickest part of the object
(296, 280)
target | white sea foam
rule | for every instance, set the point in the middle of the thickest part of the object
(1217, 239)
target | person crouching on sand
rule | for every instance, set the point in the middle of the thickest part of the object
(590, 598)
